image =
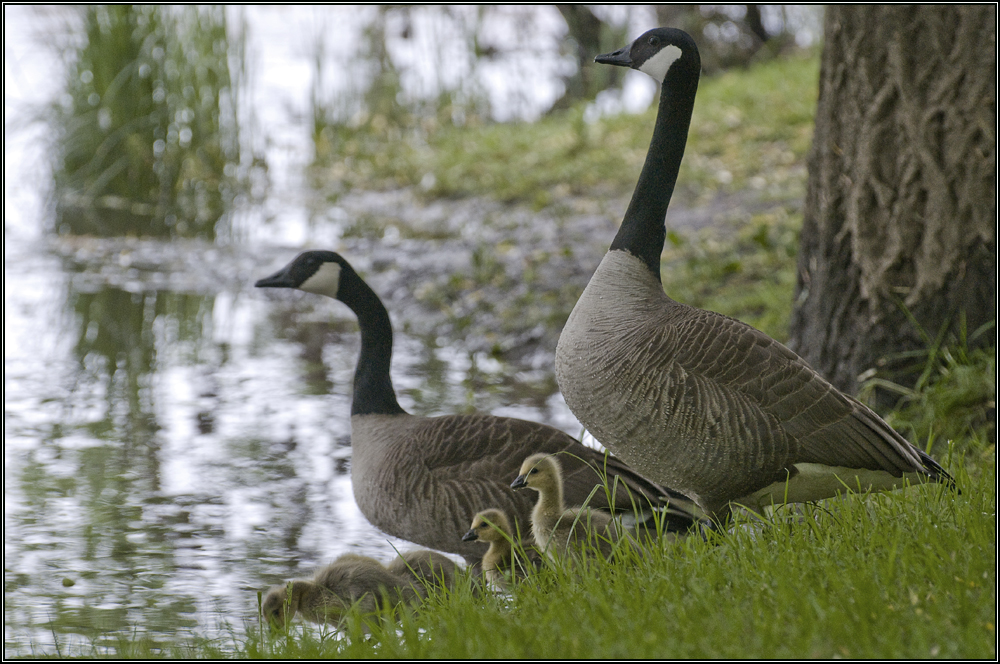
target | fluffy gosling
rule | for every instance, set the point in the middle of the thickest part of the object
(555, 528)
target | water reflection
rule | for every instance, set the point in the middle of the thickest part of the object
(174, 441)
(148, 132)
(172, 449)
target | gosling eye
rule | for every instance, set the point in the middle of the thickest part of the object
(532, 471)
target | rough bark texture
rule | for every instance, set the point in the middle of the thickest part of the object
(901, 206)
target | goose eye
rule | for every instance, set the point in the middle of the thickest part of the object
(654, 41)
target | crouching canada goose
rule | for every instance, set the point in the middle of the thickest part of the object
(500, 563)
(699, 401)
(422, 479)
(326, 598)
(555, 528)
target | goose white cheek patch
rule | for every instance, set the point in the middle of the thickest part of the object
(658, 65)
(326, 281)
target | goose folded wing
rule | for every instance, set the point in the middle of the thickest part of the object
(821, 424)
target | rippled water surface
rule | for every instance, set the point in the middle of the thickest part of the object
(174, 439)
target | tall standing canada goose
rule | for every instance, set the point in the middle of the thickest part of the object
(422, 479)
(349, 580)
(693, 399)
(555, 528)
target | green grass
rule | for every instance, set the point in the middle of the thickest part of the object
(954, 399)
(750, 129)
(749, 274)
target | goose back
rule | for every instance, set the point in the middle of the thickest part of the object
(465, 463)
(348, 581)
(713, 407)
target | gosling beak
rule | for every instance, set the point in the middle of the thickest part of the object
(519, 482)
(280, 279)
(470, 536)
(620, 58)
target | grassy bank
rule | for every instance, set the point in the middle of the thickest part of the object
(905, 574)
(750, 129)
(908, 574)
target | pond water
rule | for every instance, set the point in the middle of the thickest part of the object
(176, 440)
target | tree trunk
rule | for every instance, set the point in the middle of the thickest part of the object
(898, 244)
(591, 37)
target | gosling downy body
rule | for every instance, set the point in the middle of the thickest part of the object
(425, 569)
(326, 598)
(693, 399)
(423, 479)
(556, 529)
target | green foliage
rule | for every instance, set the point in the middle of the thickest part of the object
(749, 275)
(752, 131)
(953, 400)
(749, 129)
(148, 139)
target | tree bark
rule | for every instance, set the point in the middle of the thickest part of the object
(591, 37)
(898, 245)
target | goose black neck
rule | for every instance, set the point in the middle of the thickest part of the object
(643, 229)
(373, 393)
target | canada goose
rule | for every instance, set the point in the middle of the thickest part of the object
(554, 528)
(422, 479)
(493, 527)
(696, 400)
(349, 580)
(427, 569)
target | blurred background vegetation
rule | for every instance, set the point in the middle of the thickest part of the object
(151, 140)
(148, 133)
(351, 132)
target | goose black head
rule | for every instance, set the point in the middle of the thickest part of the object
(655, 52)
(311, 271)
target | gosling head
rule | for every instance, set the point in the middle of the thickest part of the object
(318, 272)
(488, 526)
(280, 605)
(539, 472)
(655, 52)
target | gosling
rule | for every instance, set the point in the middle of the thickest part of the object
(425, 569)
(356, 580)
(557, 529)
(498, 564)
